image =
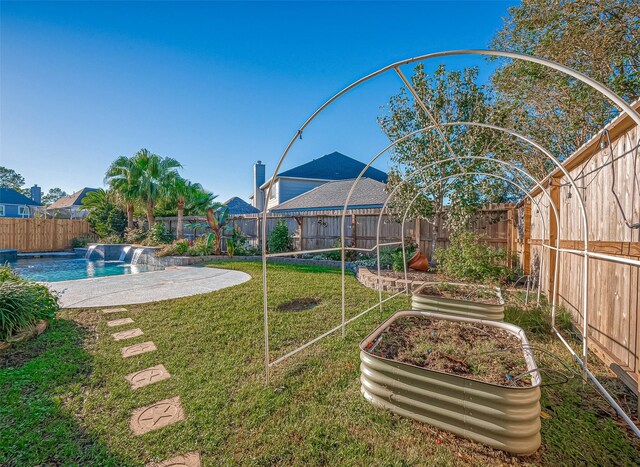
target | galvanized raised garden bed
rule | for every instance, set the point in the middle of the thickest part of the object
(501, 416)
(422, 300)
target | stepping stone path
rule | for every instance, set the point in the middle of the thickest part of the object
(190, 459)
(107, 311)
(154, 416)
(149, 376)
(160, 414)
(119, 322)
(127, 334)
(138, 349)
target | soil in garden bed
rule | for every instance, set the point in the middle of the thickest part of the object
(470, 293)
(411, 275)
(475, 351)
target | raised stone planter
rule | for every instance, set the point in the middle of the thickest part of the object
(503, 417)
(421, 300)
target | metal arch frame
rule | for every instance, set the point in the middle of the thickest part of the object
(517, 185)
(505, 165)
(603, 90)
(513, 133)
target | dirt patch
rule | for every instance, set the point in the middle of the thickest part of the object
(299, 304)
(470, 293)
(476, 351)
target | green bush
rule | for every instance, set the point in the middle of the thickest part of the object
(23, 303)
(349, 255)
(203, 246)
(107, 220)
(237, 244)
(177, 248)
(280, 240)
(135, 235)
(159, 234)
(81, 241)
(469, 258)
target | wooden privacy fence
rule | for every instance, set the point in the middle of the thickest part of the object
(29, 235)
(317, 230)
(605, 168)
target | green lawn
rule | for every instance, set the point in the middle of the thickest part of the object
(64, 399)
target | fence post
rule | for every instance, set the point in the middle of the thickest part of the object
(554, 193)
(526, 241)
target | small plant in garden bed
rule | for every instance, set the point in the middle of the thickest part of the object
(280, 240)
(480, 352)
(469, 258)
(468, 292)
(81, 241)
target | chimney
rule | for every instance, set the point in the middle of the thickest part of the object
(258, 180)
(36, 194)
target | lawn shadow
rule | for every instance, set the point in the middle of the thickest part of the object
(41, 387)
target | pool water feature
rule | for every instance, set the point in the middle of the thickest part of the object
(56, 270)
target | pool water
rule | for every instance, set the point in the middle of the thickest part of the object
(56, 270)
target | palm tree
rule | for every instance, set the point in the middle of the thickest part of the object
(155, 175)
(187, 196)
(122, 177)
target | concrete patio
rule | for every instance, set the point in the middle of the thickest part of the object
(174, 282)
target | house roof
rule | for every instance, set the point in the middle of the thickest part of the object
(74, 199)
(239, 206)
(332, 195)
(11, 196)
(334, 166)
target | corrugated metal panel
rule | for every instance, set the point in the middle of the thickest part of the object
(502, 417)
(455, 307)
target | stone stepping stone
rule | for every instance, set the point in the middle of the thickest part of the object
(138, 349)
(119, 322)
(155, 416)
(190, 459)
(131, 333)
(107, 311)
(148, 376)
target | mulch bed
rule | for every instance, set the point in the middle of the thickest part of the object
(470, 293)
(475, 351)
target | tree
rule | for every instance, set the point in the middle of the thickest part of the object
(53, 195)
(123, 178)
(154, 175)
(451, 96)
(600, 38)
(9, 178)
(104, 217)
(184, 193)
(217, 220)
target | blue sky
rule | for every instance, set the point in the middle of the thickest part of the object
(215, 85)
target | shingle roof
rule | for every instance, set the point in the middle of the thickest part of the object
(74, 199)
(239, 206)
(334, 166)
(332, 195)
(11, 196)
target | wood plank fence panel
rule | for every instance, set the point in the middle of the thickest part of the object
(34, 234)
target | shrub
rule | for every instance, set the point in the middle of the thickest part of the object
(237, 243)
(81, 241)
(23, 303)
(280, 240)
(177, 248)
(469, 258)
(135, 235)
(203, 246)
(107, 219)
(349, 255)
(159, 235)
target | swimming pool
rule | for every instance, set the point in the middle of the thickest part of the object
(56, 270)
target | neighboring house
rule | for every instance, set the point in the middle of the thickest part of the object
(298, 180)
(70, 207)
(331, 196)
(15, 204)
(238, 206)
